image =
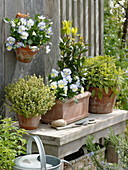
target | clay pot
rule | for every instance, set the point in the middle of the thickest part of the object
(68, 110)
(25, 54)
(28, 123)
(104, 105)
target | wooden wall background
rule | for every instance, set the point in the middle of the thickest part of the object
(87, 15)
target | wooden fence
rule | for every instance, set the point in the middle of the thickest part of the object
(87, 15)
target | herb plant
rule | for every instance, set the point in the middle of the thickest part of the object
(11, 143)
(29, 96)
(102, 72)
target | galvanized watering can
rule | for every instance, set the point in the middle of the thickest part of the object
(37, 161)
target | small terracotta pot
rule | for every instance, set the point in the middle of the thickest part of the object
(28, 123)
(68, 110)
(104, 105)
(24, 54)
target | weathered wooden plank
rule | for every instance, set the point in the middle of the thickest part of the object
(80, 17)
(96, 22)
(1, 51)
(91, 27)
(85, 24)
(74, 8)
(10, 61)
(69, 9)
(101, 27)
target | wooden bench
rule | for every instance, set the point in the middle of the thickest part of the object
(61, 143)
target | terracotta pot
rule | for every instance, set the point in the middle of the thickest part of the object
(28, 123)
(24, 54)
(104, 105)
(68, 110)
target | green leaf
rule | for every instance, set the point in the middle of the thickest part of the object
(106, 89)
(7, 20)
(100, 95)
(93, 93)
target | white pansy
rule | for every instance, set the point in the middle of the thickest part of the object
(61, 83)
(24, 35)
(11, 40)
(74, 87)
(53, 85)
(21, 29)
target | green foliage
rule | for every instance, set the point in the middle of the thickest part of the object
(102, 72)
(72, 49)
(120, 143)
(114, 18)
(11, 143)
(115, 41)
(29, 96)
(96, 155)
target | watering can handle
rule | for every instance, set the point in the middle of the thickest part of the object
(40, 149)
(64, 161)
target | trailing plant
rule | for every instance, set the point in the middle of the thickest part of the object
(11, 143)
(72, 48)
(102, 72)
(64, 83)
(27, 31)
(29, 96)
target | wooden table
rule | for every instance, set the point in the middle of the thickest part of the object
(61, 143)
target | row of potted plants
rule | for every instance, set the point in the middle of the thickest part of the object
(75, 78)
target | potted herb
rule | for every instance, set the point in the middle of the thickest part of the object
(104, 80)
(12, 143)
(29, 98)
(28, 35)
(71, 100)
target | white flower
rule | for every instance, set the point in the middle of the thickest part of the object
(53, 85)
(30, 23)
(48, 49)
(8, 47)
(65, 89)
(78, 82)
(19, 44)
(42, 25)
(12, 23)
(24, 35)
(82, 90)
(49, 31)
(74, 87)
(54, 73)
(65, 72)
(68, 78)
(21, 29)
(41, 17)
(34, 48)
(23, 21)
(34, 33)
(61, 83)
(10, 40)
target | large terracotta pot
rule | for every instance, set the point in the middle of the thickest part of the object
(25, 54)
(69, 110)
(104, 105)
(28, 123)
